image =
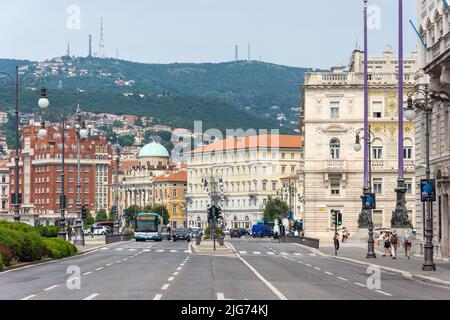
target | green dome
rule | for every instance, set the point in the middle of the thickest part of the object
(154, 150)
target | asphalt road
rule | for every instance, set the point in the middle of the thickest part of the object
(261, 269)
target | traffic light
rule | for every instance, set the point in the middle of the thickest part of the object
(334, 217)
(217, 213)
(84, 212)
(339, 218)
(210, 214)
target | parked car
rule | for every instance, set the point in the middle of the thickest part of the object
(245, 232)
(182, 234)
(166, 234)
(196, 232)
(98, 231)
(235, 233)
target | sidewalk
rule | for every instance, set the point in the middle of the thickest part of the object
(409, 268)
(91, 244)
(206, 247)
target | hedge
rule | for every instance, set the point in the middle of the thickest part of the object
(25, 246)
(48, 232)
(58, 248)
(2, 265)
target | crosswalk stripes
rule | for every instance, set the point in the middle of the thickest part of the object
(270, 253)
(256, 252)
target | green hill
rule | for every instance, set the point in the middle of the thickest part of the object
(225, 95)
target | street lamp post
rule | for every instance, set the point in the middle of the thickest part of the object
(423, 104)
(62, 223)
(17, 81)
(212, 183)
(82, 133)
(116, 190)
(366, 217)
(400, 214)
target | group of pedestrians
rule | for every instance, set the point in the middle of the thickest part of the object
(392, 243)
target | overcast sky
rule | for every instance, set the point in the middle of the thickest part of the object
(319, 33)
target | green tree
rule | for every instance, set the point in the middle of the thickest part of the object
(101, 215)
(111, 215)
(275, 209)
(89, 221)
(126, 140)
(161, 210)
(131, 213)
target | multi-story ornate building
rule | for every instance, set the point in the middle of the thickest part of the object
(434, 69)
(40, 180)
(170, 191)
(4, 189)
(137, 182)
(251, 169)
(332, 112)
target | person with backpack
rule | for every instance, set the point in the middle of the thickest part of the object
(407, 243)
(394, 244)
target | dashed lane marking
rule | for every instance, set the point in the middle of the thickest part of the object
(98, 269)
(164, 287)
(328, 273)
(256, 252)
(52, 287)
(92, 296)
(360, 284)
(29, 297)
(317, 268)
(298, 254)
(173, 251)
(270, 253)
(385, 293)
(86, 273)
(343, 279)
(243, 252)
(158, 297)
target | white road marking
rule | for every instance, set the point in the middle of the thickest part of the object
(29, 297)
(159, 250)
(256, 252)
(312, 254)
(173, 251)
(119, 249)
(187, 251)
(298, 254)
(86, 273)
(220, 296)
(385, 293)
(52, 287)
(328, 273)
(243, 252)
(175, 273)
(146, 250)
(92, 296)
(171, 279)
(124, 259)
(109, 264)
(158, 297)
(118, 261)
(317, 268)
(284, 254)
(270, 253)
(104, 248)
(309, 265)
(132, 250)
(300, 262)
(360, 284)
(98, 269)
(343, 279)
(164, 287)
(179, 268)
(267, 283)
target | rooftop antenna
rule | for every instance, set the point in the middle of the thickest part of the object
(101, 51)
(90, 46)
(68, 49)
(236, 53)
(249, 52)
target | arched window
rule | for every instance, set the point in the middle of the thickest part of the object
(408, 149)
(335, 148)
(377, 149)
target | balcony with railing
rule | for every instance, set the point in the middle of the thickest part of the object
(335, 165)
(331, 78)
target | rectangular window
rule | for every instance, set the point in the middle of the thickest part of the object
(292, 156)
(274, 186)
(283, 170)
(407, 153)
(174, 209)
(377, 185)
(377, 109)
(377, 153)
(408, 184)
(334, 110)
(292, 169)
(283, 156)
(335, 186)
(264, 186)
(174, 194)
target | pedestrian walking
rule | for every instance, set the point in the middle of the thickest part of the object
(336, 243)
(92, 231)
(387, 244)
(394, 244)
(407, 243)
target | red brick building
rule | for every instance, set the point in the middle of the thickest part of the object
(41, 170)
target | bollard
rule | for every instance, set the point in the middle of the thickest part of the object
(198, 240)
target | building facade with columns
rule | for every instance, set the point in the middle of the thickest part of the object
(434, 69)
(332, 113)
(251, 169)
(137, 182)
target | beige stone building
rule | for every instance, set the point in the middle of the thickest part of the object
(332, 113)
(433, 69)
(250, 168)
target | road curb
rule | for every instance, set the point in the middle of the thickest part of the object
(49, 260)
(405, 274)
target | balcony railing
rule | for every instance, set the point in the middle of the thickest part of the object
(335, 165)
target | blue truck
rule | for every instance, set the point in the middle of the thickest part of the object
(262, 230)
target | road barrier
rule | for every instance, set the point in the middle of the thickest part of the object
(309, 242)
(112, 238)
